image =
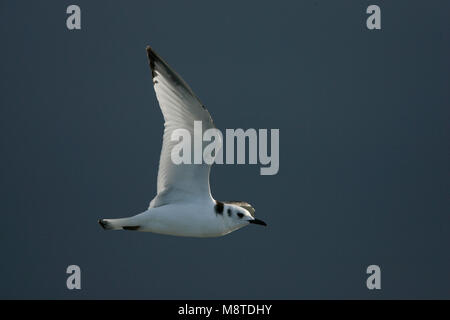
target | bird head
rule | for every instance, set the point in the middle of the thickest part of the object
(238, 212)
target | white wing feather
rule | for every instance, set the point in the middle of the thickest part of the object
(180, 108)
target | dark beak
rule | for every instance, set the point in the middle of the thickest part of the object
(257, 221)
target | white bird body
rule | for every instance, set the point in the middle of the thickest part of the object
(190, 219)
(183, 205)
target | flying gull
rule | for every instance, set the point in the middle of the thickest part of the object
(183, 205)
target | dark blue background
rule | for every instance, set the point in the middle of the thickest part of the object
(364, 147)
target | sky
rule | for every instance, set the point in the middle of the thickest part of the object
(363, 118)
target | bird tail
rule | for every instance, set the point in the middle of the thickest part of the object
(111, 224)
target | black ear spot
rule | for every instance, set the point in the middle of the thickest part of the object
(229, 212)
(218, 207)
(240, 215)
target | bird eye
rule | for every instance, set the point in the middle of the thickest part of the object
(240, 215)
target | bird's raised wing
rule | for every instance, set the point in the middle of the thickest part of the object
(180, 108)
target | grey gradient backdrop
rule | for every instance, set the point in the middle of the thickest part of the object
(364, 147)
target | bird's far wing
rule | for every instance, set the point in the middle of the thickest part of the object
(180, 108)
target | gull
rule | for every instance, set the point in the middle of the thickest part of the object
(183, 205)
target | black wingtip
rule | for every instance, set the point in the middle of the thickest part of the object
(150, 52)
(152, 57)
(132, 228)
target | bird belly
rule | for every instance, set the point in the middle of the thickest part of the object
(185, 221)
